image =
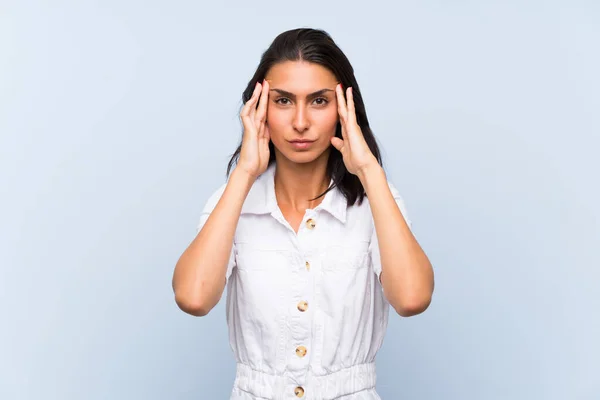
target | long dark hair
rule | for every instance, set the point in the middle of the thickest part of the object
(317, 46)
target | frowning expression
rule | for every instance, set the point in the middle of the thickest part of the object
(302, 110)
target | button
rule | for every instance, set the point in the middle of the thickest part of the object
(310, 223)
(307, 266)
(299, 391)
(303, 306)
(300, 351)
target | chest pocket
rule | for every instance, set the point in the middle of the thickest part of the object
(350, 256)
(345, 298)
(263, 275)
(344, 277)
(262, 283)
(251, 259)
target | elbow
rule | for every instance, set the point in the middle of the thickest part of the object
(414, 299)
(412, 307)
(193, 306)
(196, 298)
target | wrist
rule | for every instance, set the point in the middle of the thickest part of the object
(240, 176)
(368, 170)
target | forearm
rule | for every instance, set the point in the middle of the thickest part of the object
(407, 274)
(199, 276)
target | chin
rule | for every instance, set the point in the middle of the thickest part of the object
(304, 157)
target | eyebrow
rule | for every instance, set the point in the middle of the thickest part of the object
(310, 96)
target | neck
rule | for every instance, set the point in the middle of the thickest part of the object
(296, 184)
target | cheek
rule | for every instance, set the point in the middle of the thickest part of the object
(278, 121)
(326, 120)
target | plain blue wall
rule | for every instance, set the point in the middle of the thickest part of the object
(117, 119)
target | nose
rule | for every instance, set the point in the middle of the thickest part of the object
(300, 122)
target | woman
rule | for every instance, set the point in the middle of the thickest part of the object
(307, 234)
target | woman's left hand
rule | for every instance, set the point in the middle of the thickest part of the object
(355, 152)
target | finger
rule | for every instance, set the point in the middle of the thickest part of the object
(261, 113)
(351, 111)
(266, 134)
(264, 140)
(343, 126)
(341, 102)
(256, 95)
(249, 104)
(337, 143)
(263, 130)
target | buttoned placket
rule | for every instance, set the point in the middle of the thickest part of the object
(301, 313)
(307, 237)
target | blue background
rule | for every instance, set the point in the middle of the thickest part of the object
(117, 119)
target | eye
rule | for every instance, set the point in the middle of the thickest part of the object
(321, 101)
(283, 101)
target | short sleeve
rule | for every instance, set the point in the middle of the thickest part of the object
(208, 208)
(374, 245)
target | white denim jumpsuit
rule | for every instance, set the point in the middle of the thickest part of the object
(306, 311)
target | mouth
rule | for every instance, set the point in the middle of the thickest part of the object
(301, 143)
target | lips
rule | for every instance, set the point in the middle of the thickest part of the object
(301, 144)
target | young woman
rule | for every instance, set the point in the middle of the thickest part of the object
(310, 239)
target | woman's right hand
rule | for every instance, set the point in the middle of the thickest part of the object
(254, 154)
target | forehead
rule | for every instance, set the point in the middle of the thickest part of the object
(300, 77)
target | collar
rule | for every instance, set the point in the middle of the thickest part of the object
(262, 200)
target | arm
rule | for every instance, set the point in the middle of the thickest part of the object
(407, 275)
(199, 276)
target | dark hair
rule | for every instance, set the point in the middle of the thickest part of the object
(317, 46)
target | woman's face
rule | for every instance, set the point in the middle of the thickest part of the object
(302, 110)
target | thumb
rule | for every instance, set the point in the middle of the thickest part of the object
(337, 143)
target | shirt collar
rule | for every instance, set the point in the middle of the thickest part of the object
(261, 198)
